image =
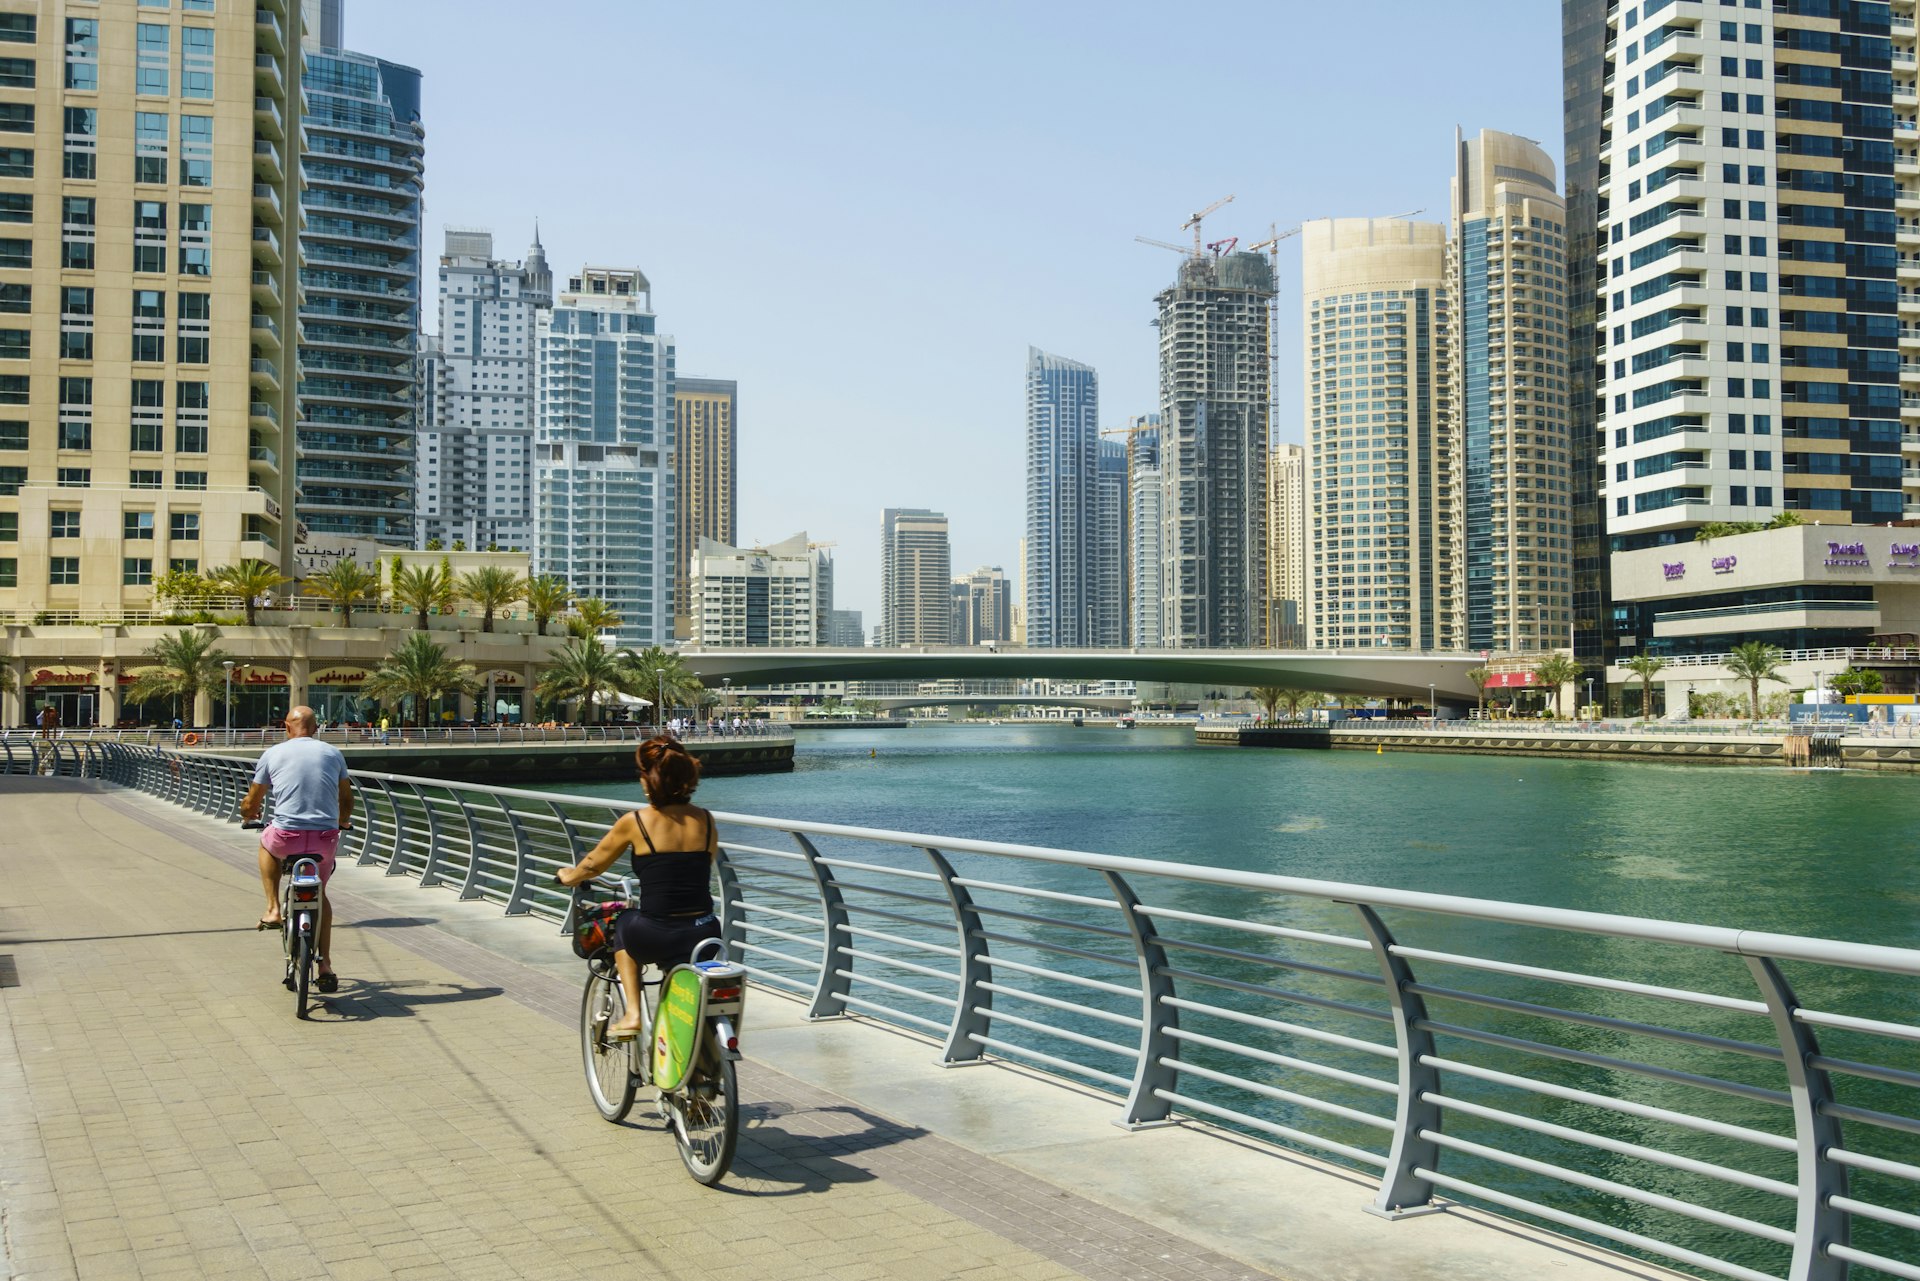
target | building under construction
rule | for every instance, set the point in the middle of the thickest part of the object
(1214, 385)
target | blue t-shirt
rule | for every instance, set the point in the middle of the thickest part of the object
(304, 775)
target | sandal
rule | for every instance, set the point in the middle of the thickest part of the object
(266, 923)
(328, 982)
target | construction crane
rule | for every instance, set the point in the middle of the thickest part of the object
(1220, 247)
(1194, 222)
(1162, 244)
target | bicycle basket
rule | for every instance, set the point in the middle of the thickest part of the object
(593, 926)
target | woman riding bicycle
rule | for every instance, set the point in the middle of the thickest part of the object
(673, 844)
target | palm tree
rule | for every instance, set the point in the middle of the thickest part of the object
(1753, 662)
(249, 580)
(546, 597)
(661, 674)
(422, 589)
(1556, 671)
(492, 587)
(590, 617)
(1481, 678)
(186, 664)
(583, 669)
(1268, 696)
(346, 583)
(422, 671)
(1274, 698)
(1644, 666)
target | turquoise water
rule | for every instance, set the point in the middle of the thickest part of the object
(1830, 853)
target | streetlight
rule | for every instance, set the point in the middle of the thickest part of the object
(228, 664)
(660, 703)
(1590, 697)
(1433, 709)
(726, 698)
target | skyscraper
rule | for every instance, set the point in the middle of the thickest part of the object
(1507, 280)
(360, 271)
(603, 450)
(1063, 461)
(1383, 482)
(916, 577)
(756, 596)
(147, 359)
(1748, 238)
(703, 463)
(982, 608)
(1286, 547)
(1583, 41)
(476, 447)
(1145, 570)
(1214, 384)
(1107, 602)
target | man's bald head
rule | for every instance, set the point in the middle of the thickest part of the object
(301, 722)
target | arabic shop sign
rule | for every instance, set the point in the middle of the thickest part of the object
(1847, 556)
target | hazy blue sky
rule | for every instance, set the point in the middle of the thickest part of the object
(866, 212)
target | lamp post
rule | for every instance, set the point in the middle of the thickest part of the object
(1433, 709)
(1590, 715)
(726, 698)
(228, 664)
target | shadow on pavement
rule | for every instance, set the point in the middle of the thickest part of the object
(115, 938)
(776, 1161)
(359, 1000)
(391, 922)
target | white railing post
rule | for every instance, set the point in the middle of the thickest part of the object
(1818, 1224)
(974, 1001)
(1403, 1190)
(830, 993)
(1156, 1074)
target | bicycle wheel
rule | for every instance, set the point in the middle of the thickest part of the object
(608, 1063)
(302, 971)
(706, 1120)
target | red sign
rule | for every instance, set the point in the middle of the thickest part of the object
(1508, 680)
(62, 676)
(259, 676)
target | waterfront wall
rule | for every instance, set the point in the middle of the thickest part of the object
(1899, 755)
(522, 764)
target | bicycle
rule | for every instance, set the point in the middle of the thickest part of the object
(303, 896)
(691, 1043)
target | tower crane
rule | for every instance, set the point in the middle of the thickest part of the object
(1194, 222)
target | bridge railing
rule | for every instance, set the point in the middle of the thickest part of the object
(1736, 1102)
(474, 735)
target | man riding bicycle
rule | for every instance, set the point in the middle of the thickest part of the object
(312, 805)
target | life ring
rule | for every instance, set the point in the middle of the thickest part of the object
(191, 740)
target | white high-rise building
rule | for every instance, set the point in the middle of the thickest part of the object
(756, 596)
(1287, 547)
(1145, 570)
(916, 577)
(476, 450)
(1063, 459)
(603, 451)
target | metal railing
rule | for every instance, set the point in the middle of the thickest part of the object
(479, 735)
(1734, 1101)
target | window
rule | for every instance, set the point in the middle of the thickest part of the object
(1730, 173)
(189, 566)
(137, 526)
(14, 344)
(76, 413)
(1737, 495)
(148, 415)
(81, 141)
(13, 389)
(83, 54)
(150, 146)
(196, 6)
(63, 571)
(16, 117)
(1736, 351)
(63, 524)
(76, 232)
(195, 321)
(9, 527)
(16, 73)
(141, 478)
(196, 62)
(196, 230)
(1757, 281)
(149, 325)
(190, 418)
(9, 572)
(1737, 424)
(73, 477)
(1736, 388)
(196, 151)
(16, 253)
(76, 323)
(1763, 495)
(1763, 460)
(16, 300)
(183, 526)
(11, 478)
(18, 28)
(153, 51)
(1736, 460)
(16, 206)
(13, 436)
(149, 236)
(1730, 244)
(189, 480)
(136, 571)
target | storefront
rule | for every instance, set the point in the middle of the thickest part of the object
(73, 692)
(509, 694)
(260, 697)
(335, 693)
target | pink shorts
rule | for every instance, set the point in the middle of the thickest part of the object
(286, 844)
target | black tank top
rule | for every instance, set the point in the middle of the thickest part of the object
(673, 883)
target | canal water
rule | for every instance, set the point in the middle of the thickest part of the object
(1830, 853)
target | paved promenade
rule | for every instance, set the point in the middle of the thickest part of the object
(163, 1115)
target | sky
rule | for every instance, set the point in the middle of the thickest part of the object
(865, 213)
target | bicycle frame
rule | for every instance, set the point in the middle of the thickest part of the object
(303, 897)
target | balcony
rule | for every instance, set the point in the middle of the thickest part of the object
(266, 161)
(266, 289)
(261, 413)
(267, 33)
(266, 331)
(267, 119)
(268, 76)
(266, 203)
(265, 374)
(266, 246)
(264, 458)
